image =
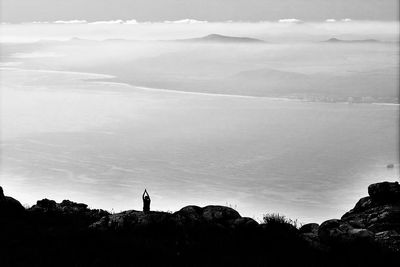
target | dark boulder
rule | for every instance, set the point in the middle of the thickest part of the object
(123, 220)
(309, 228)
(387, 192)
(101, 225)
(386, 217)
(65, 214)
(66, 207)
(309, 232)
(378, 212)
(338, 232)
(9, 206)
(245, 223)
(134, 220)
(155, 219)
(117, 221)
(364, 204)
(389, 239)
(220, 214)
(45, 205)
(356, 234)
(376, 217)
(73, 205)
(191, 215)
(329, 231)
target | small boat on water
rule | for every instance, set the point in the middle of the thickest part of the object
(390, 166)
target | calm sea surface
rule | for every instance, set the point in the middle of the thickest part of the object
(66, 137)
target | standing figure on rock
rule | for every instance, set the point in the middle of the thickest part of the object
(146, 201)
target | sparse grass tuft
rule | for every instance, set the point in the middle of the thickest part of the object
(232, 206)
(273, 219)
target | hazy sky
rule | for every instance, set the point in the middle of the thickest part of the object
(211, 10)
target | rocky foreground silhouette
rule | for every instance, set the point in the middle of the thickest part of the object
(71, 234)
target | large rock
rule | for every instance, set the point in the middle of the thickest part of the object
(45, 205)
(133, 220)
(101, 225)
(123, 220)
(378, 212)
(66, 213)
(337, 231)
(244, 223)
(364, 204)
(211, 214)
(359, 234)
(375, 217)
(189, 216)
(385, 192)
(66, 204)
(9, 206)
(66, 207)
(389, 239)
(309, 228)
(220, 214)
(329, 231)
(309, 232)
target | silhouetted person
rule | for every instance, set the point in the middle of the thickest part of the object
(146, 201)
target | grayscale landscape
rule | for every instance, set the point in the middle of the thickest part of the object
(199, 133)
(293, 117)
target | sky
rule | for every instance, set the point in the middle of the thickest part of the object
(17, 11)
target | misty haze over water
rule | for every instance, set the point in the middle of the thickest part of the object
(297, 123)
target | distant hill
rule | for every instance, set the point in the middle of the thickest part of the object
(211, 38)
(218, 38)
(336, 40)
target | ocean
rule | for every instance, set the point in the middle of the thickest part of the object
(77, 136)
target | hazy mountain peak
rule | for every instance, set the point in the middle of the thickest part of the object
(336, 40)
(224, 39)
(333, 40)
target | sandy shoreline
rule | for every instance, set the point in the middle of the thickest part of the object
(103, 79)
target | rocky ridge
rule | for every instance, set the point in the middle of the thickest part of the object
(375, 218)
(371, 228)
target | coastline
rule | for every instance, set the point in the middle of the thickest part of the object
(104, 79)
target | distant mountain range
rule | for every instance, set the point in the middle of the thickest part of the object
(336, 40)
(212, 38)
(218, 38)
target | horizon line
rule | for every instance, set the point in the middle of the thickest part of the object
(193, 21)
